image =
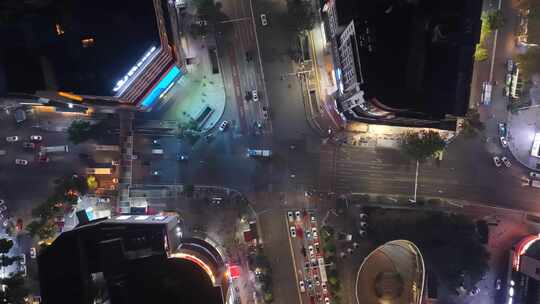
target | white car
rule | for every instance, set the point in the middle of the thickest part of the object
(3, 208)
(312, 217)
(290, 216)
(315, 234)
(326, 300)
(255, 95)
(22, 259)
(504, 142)
(33, 253)
(324, 288)
(293, 231)
(21, 162)
(506, 162)
(497, 161)
(12, 138)
(311, 250)
(302, 286)
(223, 126)
(297, 215)
(264, 21)
(2, 202)
(534, 175)
(36, 138)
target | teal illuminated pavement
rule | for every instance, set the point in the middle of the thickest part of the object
(194, 92)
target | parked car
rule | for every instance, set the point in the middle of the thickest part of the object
(498, 284)
(302, 286)
(29, 145)
(506, 162)
(326, 300)
(502, 129)
(19, 224)
(497, 161)
(290, 216)
(33, 253)
(223, 126)
(12, 138)
(3, 208)
(255, 95)
(534, 175)
(504, 142)
(155, 141)
(21, 162)
(297, 215)
(293, 231)
(311, 250)
(314, 231)
(264, 21)
(36, 138)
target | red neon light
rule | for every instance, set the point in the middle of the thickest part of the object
(521, 249)
(234, 271)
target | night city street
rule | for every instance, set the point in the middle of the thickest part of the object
(270, 151)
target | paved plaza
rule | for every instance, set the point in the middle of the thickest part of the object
(522, 127)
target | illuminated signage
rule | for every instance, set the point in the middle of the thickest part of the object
(134, 69)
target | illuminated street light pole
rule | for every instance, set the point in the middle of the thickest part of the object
(413, 200)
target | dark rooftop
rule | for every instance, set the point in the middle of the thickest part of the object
(122, 261)
(416, 54)
(37, 57)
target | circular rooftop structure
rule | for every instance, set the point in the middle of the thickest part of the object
(392, 273)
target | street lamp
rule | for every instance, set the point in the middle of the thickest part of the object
(413, 200)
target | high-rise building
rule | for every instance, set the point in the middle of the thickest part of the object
(410, 59)
(131, 259)
(99, 50)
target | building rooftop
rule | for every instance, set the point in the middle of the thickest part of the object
(77, 46)
(416, 55)
(124, 260)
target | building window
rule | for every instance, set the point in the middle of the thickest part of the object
(88, 42)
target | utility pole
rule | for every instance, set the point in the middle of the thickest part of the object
(415, 183)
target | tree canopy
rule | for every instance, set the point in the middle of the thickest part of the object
(5, 245)
(529, 62)
(300, 15)
(79, 131)
(422, 145)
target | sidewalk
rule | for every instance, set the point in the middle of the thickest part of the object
(198, 89)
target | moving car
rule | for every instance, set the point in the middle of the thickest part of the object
(12, 138)
(293, 231)
(182, 157)
(264, 21)
(19, 224)
(506, 162)
(312, 217)
(33, 253)
(497, 161)
(156, 173)
(302, 286)
(155, 141)
(326, 300)
(29, 145)
(255, 95)
(324, 288)
(223, 126)
(36, 138)
(297, 215)
(21, 162)
(498, 284)
(504, 142)
(311, 250)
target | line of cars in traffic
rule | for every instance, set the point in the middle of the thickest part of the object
(303, 226)
(500, 160)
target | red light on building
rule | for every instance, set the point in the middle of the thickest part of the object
(234, 271)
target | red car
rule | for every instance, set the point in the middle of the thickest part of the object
(19, 224)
